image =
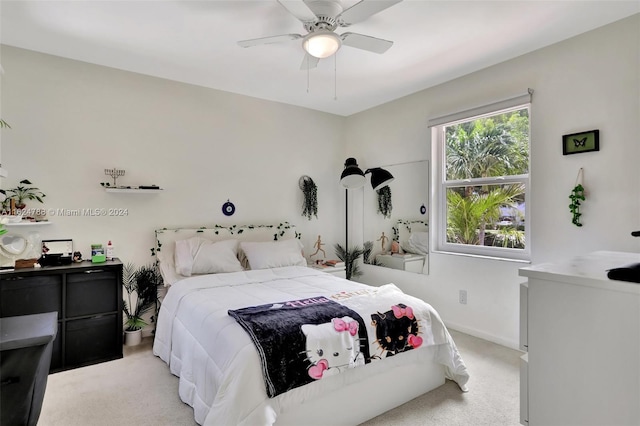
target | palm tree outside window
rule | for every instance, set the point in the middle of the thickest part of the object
(483, 180)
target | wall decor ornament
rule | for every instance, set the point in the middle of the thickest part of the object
(576, 143)
(228, 208)
(114, 173)
(310, 192)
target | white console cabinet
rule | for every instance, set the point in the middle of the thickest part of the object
(583, 342)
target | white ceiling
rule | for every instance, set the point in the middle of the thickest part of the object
(195, 42)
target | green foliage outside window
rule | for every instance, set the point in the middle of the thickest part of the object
(486, 148)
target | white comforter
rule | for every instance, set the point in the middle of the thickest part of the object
(218, 365)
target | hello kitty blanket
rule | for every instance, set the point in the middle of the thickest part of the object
(300, 341)
(219, 369)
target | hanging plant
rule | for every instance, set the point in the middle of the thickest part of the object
(577, 195)
(310, 192)
(384, 201)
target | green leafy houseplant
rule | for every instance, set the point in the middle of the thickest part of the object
(366, 254)
(577, 195)
(23, 192)
(141, 285)
(350, 258)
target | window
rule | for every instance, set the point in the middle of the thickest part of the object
(482, 166)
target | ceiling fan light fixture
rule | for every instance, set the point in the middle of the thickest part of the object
(322, 43)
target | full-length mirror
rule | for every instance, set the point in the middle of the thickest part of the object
(395, 220)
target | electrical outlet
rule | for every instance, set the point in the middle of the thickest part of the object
(463, 297)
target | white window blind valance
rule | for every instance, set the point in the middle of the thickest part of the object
(485, 109)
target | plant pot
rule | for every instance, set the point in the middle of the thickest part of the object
(132, 338)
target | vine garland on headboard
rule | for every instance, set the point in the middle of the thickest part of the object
(279, 231)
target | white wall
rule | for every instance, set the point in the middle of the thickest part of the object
(71, 120)
(588, 82)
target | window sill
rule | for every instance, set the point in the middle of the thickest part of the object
(482, 256)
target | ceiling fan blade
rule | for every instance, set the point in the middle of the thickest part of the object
(364, 42)
(299, 9)
(268, 40)
(362, 10)
(309, 62)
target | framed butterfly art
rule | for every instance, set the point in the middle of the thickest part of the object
(577, 143)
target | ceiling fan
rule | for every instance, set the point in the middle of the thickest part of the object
(320, 18)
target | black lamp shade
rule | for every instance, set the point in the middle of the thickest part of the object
(352, 176)
(379, 178)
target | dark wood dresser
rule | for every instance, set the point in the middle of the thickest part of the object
(88, 299)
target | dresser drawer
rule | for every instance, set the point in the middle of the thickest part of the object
(30, 295)
(92, 339)
(91, 292)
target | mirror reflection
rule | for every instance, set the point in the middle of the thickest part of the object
(395, 222)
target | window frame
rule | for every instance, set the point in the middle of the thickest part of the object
(440, 186)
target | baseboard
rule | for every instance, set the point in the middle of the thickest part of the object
(483, 335)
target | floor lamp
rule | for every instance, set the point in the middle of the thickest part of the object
(353, 177)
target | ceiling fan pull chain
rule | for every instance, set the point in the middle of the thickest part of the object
(307, 57)
(335, 76)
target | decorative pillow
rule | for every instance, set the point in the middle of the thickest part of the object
(201, 256)
(273, 254)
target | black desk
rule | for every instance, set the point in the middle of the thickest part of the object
(25, 355)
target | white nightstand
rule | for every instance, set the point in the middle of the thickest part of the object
(339, 271)
(404, 262)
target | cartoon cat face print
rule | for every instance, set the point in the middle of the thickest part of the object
(396, 330)
(332, 347)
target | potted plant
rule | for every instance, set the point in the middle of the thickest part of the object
(141, 285)
(23, 192)
(350, 259)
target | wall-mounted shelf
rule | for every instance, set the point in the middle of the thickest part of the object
(134, 190)
(26, 223)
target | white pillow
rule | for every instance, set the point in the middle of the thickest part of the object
(201, 256)
(273, 254)
(418, 243)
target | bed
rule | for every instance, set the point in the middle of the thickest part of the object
(210, 325)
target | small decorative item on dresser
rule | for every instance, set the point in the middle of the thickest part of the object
(97, 253)
(25, 263)
(110, 252)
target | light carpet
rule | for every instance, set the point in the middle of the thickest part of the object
(139, 390)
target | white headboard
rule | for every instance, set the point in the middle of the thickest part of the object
(166, 239)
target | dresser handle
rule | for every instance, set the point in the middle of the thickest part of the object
(93, 271)
(14, 278)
